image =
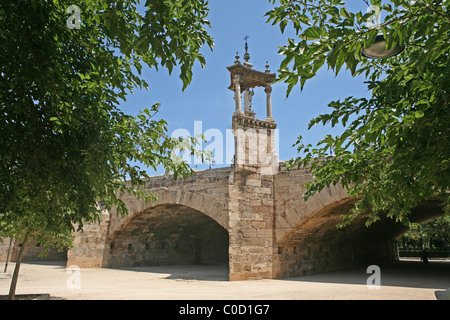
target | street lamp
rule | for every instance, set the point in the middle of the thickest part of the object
(377, 50)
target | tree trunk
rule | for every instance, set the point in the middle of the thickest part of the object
(12, 288)
(7, 256)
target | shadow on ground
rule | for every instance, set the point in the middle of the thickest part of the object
(186, 272)
(402, 273)
(412, 274)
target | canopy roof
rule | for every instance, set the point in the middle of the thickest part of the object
(250, 78)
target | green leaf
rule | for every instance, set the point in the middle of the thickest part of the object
(419, 114)
(312, 33)
(344, 12)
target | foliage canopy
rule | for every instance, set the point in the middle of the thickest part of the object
(394, 151)
(66, 149)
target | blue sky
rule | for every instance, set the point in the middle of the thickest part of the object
(208, 98)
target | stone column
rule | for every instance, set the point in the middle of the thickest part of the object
(268, 91)
(251, 226)
(237, 94)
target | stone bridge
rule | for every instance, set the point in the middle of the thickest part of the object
(258, 225)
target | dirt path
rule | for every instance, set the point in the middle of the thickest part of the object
(405, 280)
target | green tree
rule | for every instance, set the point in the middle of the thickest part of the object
(432, 234)
(65, 146)
(394, 151)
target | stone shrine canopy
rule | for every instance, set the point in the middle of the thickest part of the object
(243, 78)
(250, 78)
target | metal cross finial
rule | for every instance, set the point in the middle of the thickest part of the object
(246, 45)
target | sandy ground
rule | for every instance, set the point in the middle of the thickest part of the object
(405, 280)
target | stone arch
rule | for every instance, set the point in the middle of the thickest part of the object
(322, 223)
(292, 209)
(167, 234)
(205, 204)
(181, 227)
(315, 244)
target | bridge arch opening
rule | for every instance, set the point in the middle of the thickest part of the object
(316, 245)
(169, 234)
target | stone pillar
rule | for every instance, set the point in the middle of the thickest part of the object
(237, 94)
(251, 226)
(268, 91)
